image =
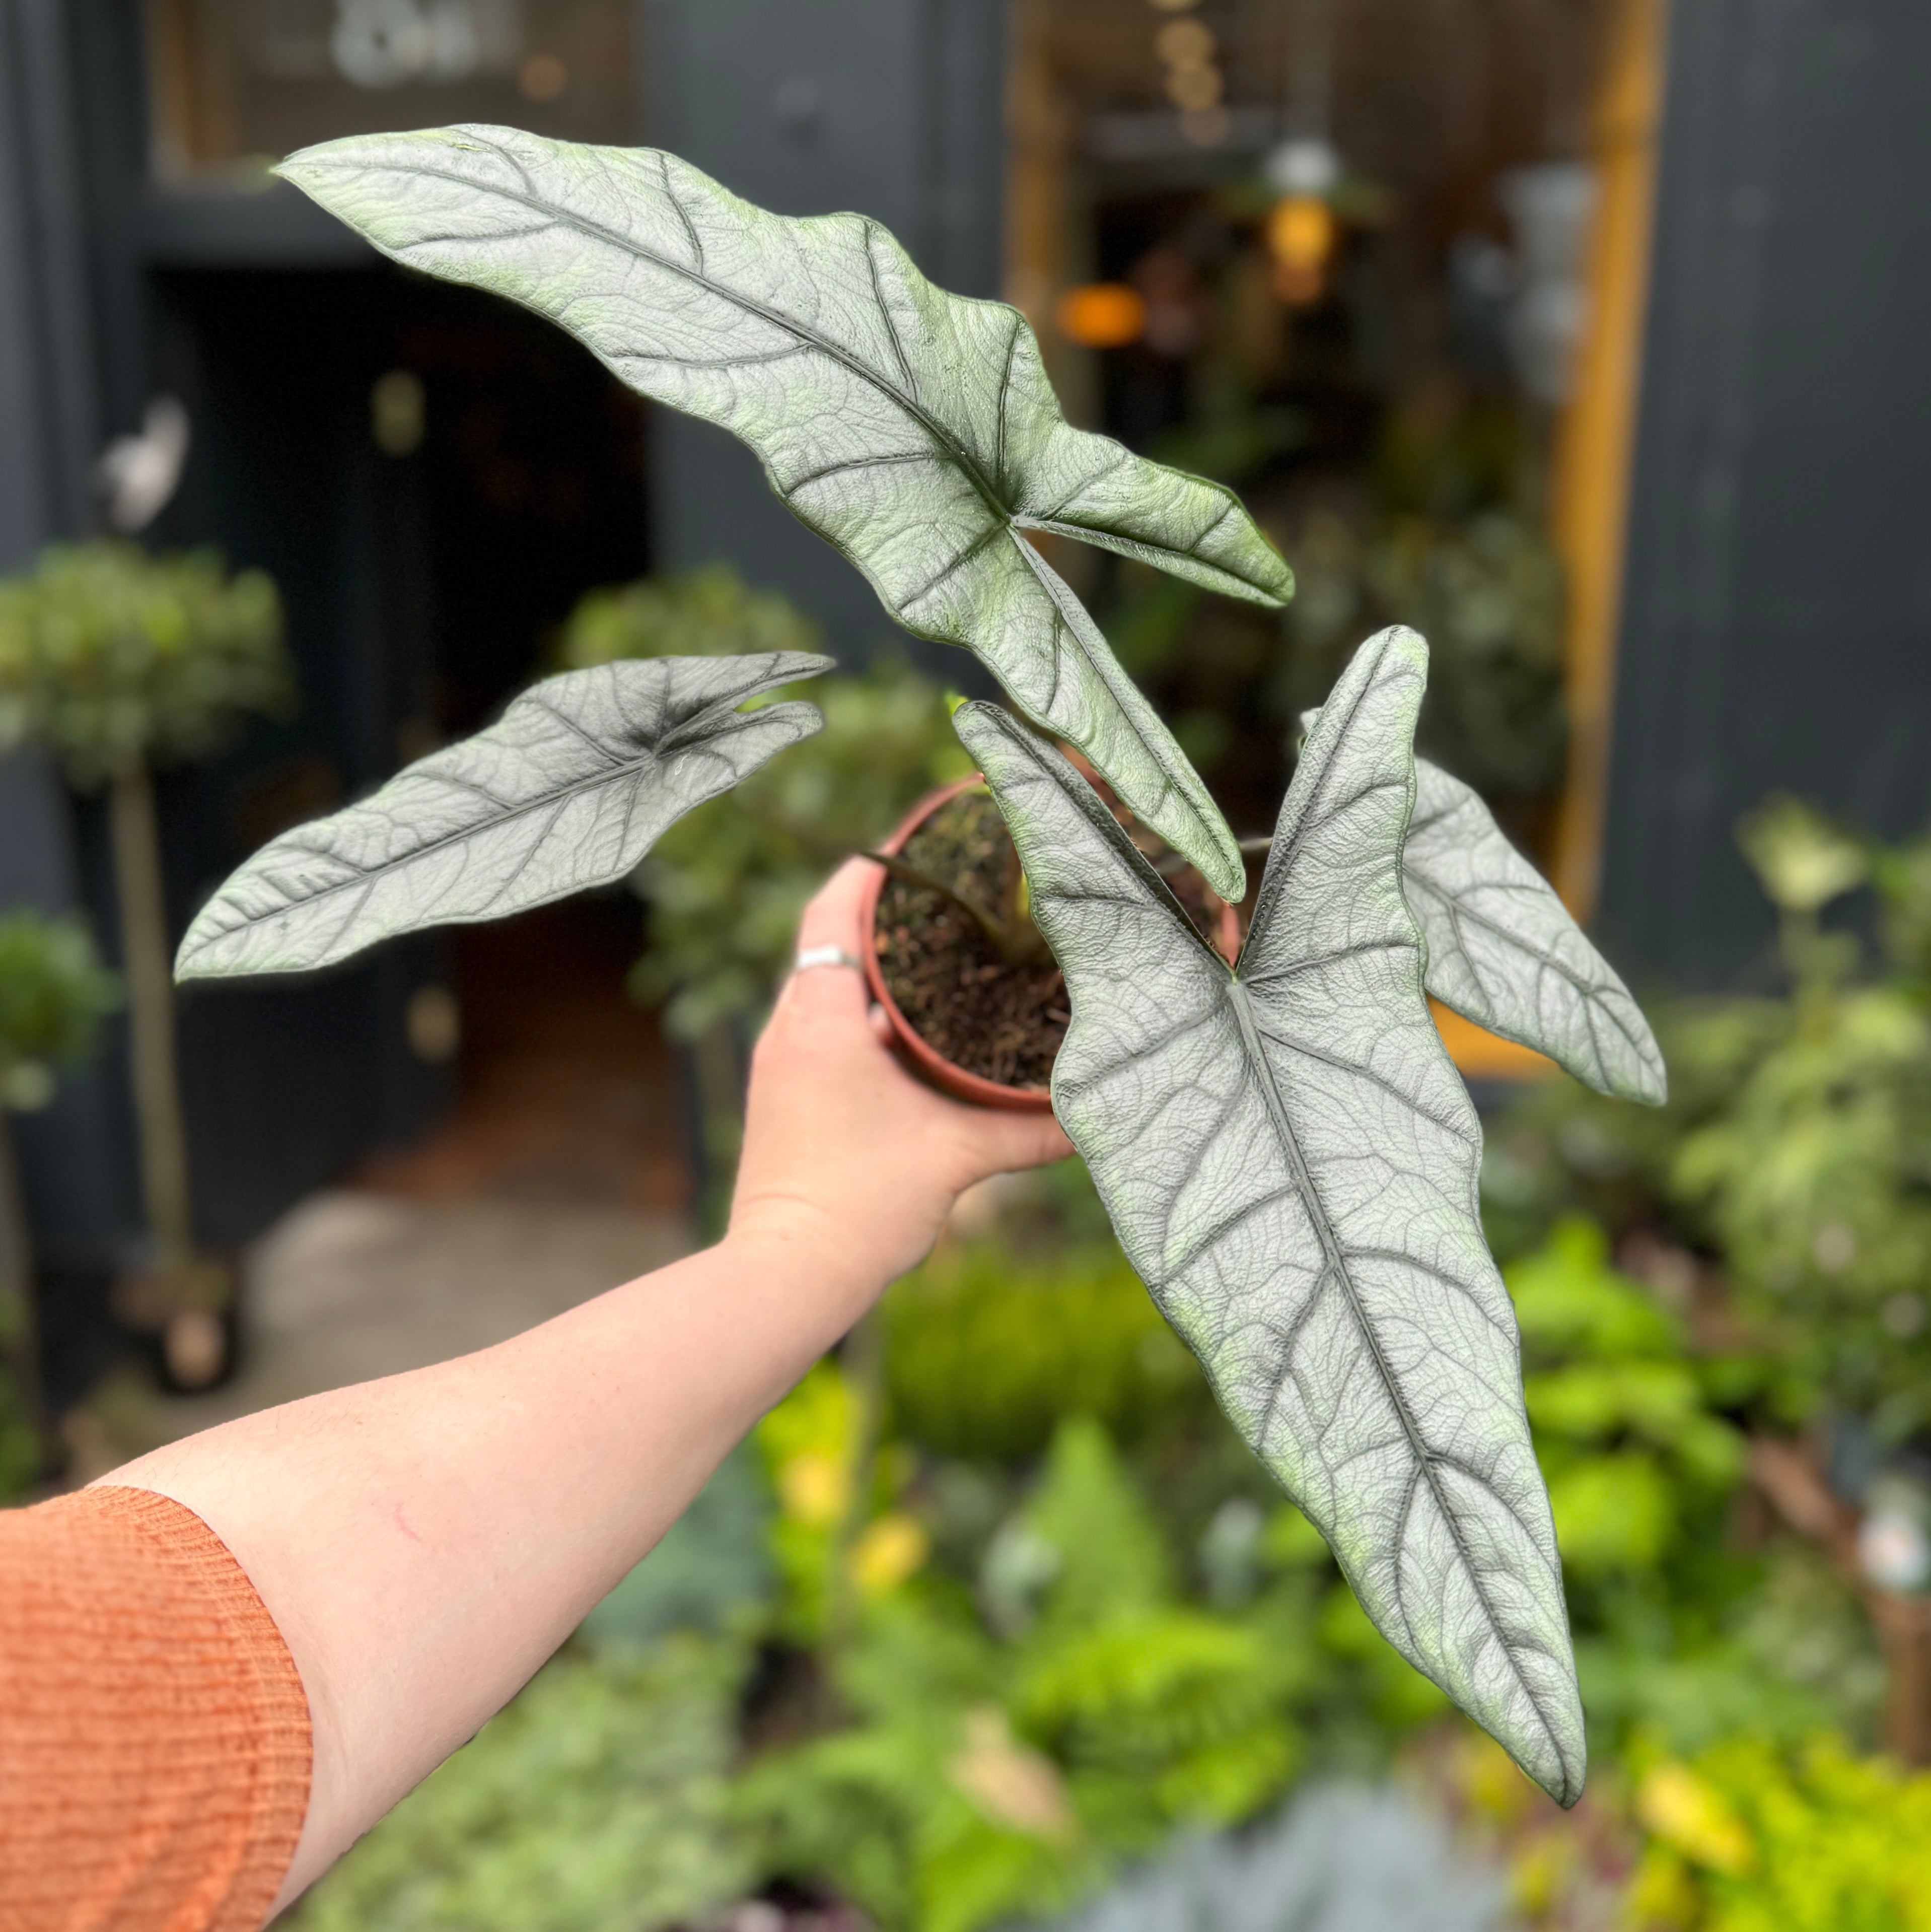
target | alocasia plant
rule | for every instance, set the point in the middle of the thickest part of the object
(1288, 1157)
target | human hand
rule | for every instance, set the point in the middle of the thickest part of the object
(846, 1154)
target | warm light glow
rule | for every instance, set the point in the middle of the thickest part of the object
(1100, 315)
(1184, 43)
(1300, 238)
(543, 78)
(1193, 89)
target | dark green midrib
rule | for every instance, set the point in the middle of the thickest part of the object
(1335, 1259)
(626, 244)
(620, 769)
(985, 488)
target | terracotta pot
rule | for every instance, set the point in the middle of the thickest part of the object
(945, 1074)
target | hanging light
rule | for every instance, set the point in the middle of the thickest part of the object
(1300, 239)
(1100, 315)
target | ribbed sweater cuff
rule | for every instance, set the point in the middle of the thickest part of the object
(154, 1738)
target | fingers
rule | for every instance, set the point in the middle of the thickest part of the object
(832, 918)
(1010, 1141)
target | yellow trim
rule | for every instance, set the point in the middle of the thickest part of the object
(1485, 1056)
(1596, 439)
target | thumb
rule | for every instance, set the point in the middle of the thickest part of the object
(1005, 1142)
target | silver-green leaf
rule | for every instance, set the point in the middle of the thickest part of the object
(1504, 952)
(1290, 1162)
(915, 430)
(566, 790)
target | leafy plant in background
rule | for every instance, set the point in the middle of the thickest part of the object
(1796, 1143)
(1752, 1837)
(725, 890)
(599, 1801)
(53, 996)
(999, 1757)
(1283, 1147)
(1487, 593)
(1679, 1631)
(120, 664)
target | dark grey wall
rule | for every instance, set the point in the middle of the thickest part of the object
(893, 108)
(89, 329)
(1777, 613)
(77, 1156)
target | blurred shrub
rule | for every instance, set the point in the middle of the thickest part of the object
(598, 1801)
(54, 993)
(1676, 1627)
(1753, 1836)
(1007, 1745)
(1797, 1143)
(1635, 1458)
(988, 1349)
(1486, 591)
(726, 887)
(113, 658)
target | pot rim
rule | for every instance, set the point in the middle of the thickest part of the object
(945, 1074)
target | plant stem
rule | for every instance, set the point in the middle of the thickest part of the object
(144, 961)
(16, 1286)
(1000, 934)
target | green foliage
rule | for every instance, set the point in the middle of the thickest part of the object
(726, 887)
(1755, 1836)
(54, 993)
(1631, 1430)
(1622, 1416)
(113, 657)
(1487, 593)
(1796, 1145)
(705, 613)
(1001, 1756)
(598, 1801)
(988, 1349)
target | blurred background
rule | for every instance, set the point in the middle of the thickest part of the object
(1585, 335)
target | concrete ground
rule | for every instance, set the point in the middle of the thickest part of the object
(560, 1173)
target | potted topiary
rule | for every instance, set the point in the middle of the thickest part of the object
(1286, 1154)
(119, 662)
(53, 995)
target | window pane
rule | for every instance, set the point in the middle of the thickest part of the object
(238, 81)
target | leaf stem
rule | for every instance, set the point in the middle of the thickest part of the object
(1017, 941)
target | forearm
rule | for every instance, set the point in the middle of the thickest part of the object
(424, 1543)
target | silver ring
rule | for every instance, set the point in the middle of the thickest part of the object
(827, 955)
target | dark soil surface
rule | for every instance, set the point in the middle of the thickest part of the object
(1004, 1023)
(1001, 1022)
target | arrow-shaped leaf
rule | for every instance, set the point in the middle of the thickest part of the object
(568, 790)
(1504, 952)
(915, 430)
(1290, 1162)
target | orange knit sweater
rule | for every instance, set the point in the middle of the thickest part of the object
(154, 1735)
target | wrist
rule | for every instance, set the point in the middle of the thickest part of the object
(797, 1244)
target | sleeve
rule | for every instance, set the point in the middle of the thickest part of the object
(154, 1739)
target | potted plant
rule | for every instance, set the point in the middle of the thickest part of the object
(119, 662)
(968, 983)
(1288, 1156)
(53, 995)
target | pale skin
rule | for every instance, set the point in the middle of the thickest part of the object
(424, 1543)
